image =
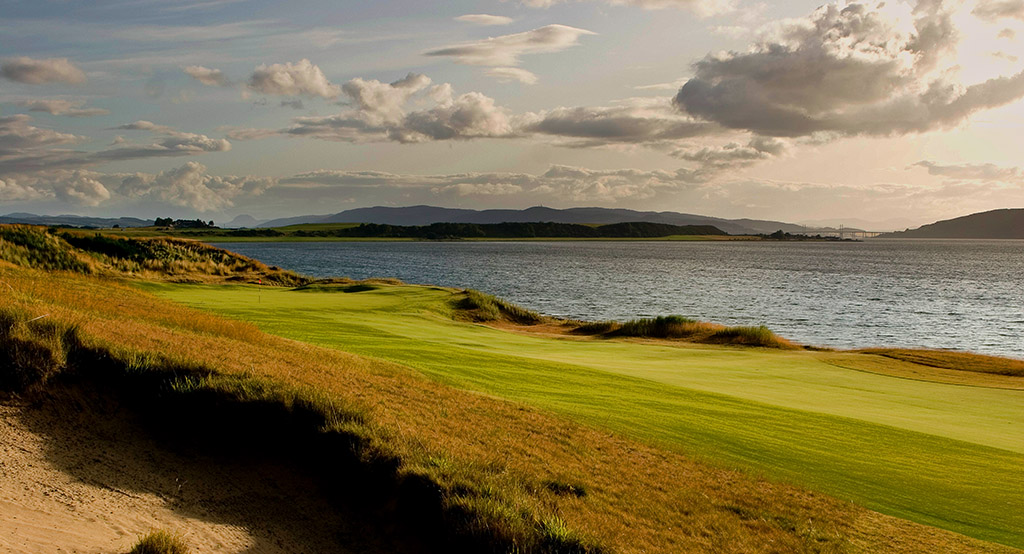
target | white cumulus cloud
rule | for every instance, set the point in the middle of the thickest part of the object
(292, 79)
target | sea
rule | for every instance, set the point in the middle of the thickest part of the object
(949, 294)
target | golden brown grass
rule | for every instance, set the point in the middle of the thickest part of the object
(160, 542)
(861, 361)
(679, 328)
(637, 498)
(157, 258)
(959, 361)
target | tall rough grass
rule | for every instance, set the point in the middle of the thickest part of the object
(683, 328)
(35, 247)
(156, 257)
(480, 306)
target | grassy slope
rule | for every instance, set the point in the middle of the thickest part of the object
(944, 455)
(507, 465)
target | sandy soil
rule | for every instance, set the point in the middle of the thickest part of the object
(91, 481)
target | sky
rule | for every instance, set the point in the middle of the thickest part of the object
(883, 115)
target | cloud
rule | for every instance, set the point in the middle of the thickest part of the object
(992, 10)
(637, 121)
(207, 76)
(242, 133)
(17, 135)
(973, 172)
(506, 50)
(673, 86)
(191, 186)
(382, 113)
(484, 19)
(41, 71)
(82, 189)
(703, 8)
(384, 102)
(143, 125)
(470, 115)
(734, 154)
(13, 191)
(512, 74)
(295, 104)
(292, 79)
(70, 108)
(843, 71)
(188, 186)
(27, 149)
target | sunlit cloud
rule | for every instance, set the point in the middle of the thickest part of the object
(843, 71)
(207, 76)
(292, 79)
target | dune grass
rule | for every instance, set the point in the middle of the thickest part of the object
(160, 258)
(684, 328)
(479, 306)
(160, 542)
(894, 445)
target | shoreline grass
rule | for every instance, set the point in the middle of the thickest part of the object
(674, 327)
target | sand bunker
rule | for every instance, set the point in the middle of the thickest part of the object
(81, 478)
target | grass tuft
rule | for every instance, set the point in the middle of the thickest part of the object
(160, 542)
(483, 307)
(750, 336)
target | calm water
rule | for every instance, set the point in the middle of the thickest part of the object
(966, 295)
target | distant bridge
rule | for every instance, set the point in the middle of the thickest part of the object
(842, 232)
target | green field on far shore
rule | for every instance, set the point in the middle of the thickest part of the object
(943, 455)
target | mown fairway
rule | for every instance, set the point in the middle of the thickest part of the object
(944, 455)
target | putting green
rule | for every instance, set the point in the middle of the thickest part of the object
(944, 455)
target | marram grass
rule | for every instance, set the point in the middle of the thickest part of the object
(160, 542)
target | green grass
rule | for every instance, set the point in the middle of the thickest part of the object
(943, 455)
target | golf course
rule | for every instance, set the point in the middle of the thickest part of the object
(941, 454)
(160, 388)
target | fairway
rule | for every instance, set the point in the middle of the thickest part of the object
(944, 455)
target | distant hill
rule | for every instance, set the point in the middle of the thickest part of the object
(426, 215)
(75, 220)
(996, 224)
(243, 221)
